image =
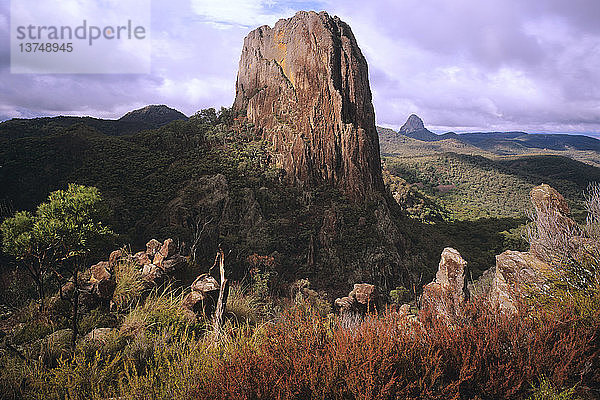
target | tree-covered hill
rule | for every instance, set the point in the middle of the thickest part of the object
(473, 187)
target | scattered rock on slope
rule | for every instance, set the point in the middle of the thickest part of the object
(519, 274)
(362, 299)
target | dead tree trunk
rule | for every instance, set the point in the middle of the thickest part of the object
(223, 293)
(197, 236)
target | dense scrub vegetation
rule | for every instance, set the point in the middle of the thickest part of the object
(305, 355)
(292, 347)
(280, 339)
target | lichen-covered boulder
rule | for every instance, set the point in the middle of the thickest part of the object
(517, 275)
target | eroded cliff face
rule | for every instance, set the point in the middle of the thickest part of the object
(305, 84)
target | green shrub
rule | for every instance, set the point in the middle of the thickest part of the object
(129, 284)
(242, 306)
(53, 347)
(82, 378)
(30, 331)
(399, 295)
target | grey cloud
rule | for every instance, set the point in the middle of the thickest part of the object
(496, 64)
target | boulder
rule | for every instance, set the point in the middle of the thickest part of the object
(202, 299)
(363, 298)
(142, 258)
(445, 297)
(205, 283)
(545, 198)
(158, 259)
(401, 311)
(168, 248)
(517, 275)
(174, 263)
(345, 304)
(105, 289)
(102, 282)
(151, 273)
(554, 229)
(366, 296)
(192, 304)
(100, 272)
(67, 289)
(114, 257)
(152, 247)
(451, 273)
(404, 310)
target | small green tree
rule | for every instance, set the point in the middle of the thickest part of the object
(71, 220)
(64, 231)
(23, 241)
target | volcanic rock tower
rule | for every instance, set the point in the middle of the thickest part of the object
(304, 83)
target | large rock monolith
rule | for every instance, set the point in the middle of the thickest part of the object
(305, 84)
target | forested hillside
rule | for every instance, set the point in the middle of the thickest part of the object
(474, 187)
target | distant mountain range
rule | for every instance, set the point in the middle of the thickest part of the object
(149, 117)
(508, 143)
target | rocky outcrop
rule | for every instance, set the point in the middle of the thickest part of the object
(160, 261)
(96, 286)
(517, 274)
(203, 296)
(362, 299)
(446, 295)
(547, 199)
(554, 237)
(304, 83)
(414, 128)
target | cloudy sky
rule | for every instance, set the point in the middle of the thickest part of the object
(463, 65)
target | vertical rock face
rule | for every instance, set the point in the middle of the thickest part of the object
(305, 84)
